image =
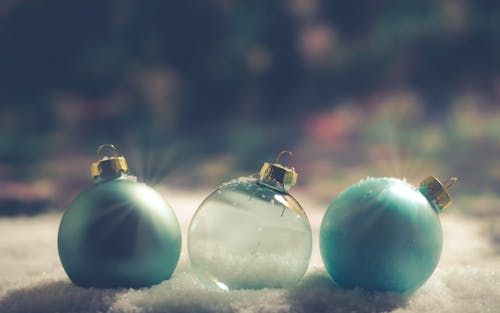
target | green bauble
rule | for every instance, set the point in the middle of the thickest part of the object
(382, 234)
(119, 233)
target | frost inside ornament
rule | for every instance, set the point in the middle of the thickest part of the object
(120, 232)
(251, 233)
(382, 234)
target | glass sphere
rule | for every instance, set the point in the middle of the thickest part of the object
(247, 235)
(119, 233)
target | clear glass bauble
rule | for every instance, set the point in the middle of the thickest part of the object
(248, 235)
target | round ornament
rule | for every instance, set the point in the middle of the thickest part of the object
(251, 233)
(120, 232)
(382, 234)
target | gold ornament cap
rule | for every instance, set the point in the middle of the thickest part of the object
(437, 192)
(109, 163)
(277, 175)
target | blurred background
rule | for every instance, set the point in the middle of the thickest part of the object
(194, 93)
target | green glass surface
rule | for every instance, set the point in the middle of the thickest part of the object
(246, 235)
(381, 234)
(119, 233)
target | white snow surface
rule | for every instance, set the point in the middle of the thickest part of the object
(32, 279)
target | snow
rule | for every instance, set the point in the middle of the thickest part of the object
(32, 279)
(244, 270)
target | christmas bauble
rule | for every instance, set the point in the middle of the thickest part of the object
(382, 234)
(251, 233)
(119, 233)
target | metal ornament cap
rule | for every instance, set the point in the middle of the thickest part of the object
(285, 176)
(108, 165)
(436, 192)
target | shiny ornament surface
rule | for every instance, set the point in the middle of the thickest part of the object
(119, 233)
(382, 234)
(248, 235)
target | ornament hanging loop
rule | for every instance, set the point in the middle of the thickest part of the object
(107, 150)
(449, 182)
(290, 155)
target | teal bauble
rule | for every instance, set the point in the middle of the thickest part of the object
(119, 233)
(251, 233)
(382, 234)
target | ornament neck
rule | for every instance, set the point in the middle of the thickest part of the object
(272, 184)
(117, 176)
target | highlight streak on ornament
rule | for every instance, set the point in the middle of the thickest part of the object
(222, 286)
